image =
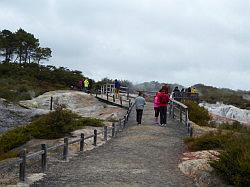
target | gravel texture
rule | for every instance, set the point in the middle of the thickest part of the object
(145, 155)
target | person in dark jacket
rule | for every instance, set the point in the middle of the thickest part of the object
(176, 94)
(163, 102)
(117, 88)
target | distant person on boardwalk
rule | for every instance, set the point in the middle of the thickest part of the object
(163, 102)
(156, 107)
(86, 85)
(80, 85)
(176, 94)
(188, 91)
(182, 92)
(117, 88)
(193, 90)
(139, 106)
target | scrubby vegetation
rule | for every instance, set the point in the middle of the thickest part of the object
(212, 140)
(212, 95)
(23, 81)
(232, 140)
(235, 126)
(234, 145)
(54, 125)
(234, 163)
(197, 114)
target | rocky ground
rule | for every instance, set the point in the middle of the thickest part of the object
(227, 113)
(13, 115)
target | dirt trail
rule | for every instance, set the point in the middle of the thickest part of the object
(145, 155)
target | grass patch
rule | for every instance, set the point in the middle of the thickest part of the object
(54, 125)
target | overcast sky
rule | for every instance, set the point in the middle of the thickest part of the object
(175, 41)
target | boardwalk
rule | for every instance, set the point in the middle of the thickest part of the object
(145, 155)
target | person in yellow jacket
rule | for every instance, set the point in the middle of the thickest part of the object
(193, 90)
(86, 85)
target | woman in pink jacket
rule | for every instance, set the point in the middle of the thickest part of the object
(156, 107)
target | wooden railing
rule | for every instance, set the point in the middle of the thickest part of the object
(108, 91)
(107, 131)
(179, 111)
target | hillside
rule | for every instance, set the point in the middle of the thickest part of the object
(239, 98)
(27, 80)
(212, 95)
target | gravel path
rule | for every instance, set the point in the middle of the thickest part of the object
(145, 155)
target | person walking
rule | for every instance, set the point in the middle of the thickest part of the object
(163, 102)
(117, 88)
(156, 107)
(139, 106)
(86, 85)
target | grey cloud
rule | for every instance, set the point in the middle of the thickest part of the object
(180, 41)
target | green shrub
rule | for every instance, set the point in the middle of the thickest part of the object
(197, 114)
(56, 124)
(235, 126)
(234, 163)
(212, 140)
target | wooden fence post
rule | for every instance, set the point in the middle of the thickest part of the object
(105, 133)
(95, 138)
(65, 149)
(188, 127)
(191, 132)
(186, 117)
(113, 129)
(51, 103)
(173, 111)
(124, 121)
(121, 100)
(170, 108)
(180, 114)
(22, 171)
(44, 157)
(82, 142)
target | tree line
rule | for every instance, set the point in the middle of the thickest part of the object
(22, 47)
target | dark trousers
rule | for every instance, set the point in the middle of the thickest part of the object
(139, 115)
(163, 114)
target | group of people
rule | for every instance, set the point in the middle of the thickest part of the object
(188, 92)
(84, 85)
(161, 100)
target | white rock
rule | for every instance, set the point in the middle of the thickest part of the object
(228, 111)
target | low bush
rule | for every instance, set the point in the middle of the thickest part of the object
(197, 114)
(212, 140)
(56, 124)
(234, 163)
(235, 126)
